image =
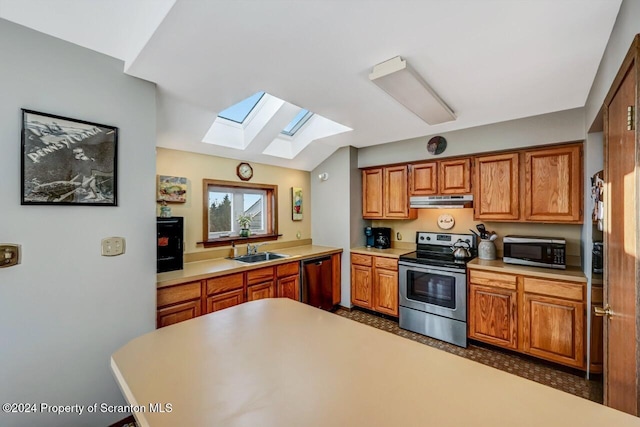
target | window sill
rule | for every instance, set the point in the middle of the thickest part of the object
(227, 241)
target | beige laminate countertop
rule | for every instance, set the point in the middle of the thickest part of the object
(199, 270)
(572, 273)
(278, 362)
(390, 253)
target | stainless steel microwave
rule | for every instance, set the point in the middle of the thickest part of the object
(546, 252)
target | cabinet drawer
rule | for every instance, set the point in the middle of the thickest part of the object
(179, 293)
(224, 283)
(567, 290)
(489, 278)
(361, 259)
(259, 275)
(386, 263)
(288, 269)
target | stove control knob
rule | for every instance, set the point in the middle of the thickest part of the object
(428, 238)
(421, 237)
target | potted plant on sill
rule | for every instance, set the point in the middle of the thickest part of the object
(244, 221)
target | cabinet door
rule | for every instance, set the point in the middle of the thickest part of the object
(177, 313)
(423, 179)
(260, 291)
(289, 287)
(396, 193)
(553, 184)
(385, 291)
(496, 187)
(455, 176)
(361, 286)
(224, 300)
(493, 315)
(372, 193)
(553, 329)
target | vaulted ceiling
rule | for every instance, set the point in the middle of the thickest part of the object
(490, 60)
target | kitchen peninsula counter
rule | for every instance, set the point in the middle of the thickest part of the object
(277, 362)
(199, 270)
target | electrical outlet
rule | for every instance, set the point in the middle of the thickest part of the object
(112, 246)
(9, 255)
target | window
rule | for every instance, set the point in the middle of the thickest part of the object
(298, 121)
(238, 112)
(225, 201)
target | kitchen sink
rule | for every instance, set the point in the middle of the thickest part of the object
(264, 256)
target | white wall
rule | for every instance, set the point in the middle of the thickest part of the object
(66, 309)
(563, 126)
(336, 209)
(627, 25)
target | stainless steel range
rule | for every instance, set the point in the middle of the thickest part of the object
(433, 287)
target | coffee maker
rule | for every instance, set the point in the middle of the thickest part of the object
(369, 239)
(381, 237)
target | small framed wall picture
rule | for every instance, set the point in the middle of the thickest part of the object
(172, 189)
(296, 204)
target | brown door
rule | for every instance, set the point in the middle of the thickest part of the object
(620, 242)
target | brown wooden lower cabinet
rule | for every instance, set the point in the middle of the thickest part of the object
(289, 287)
(538, 316)
(553, 329)
(224, 300)
(188, 300)
(178, 303)
(177, 313)
(260, 291)
(361, 286)
(494, 315)
(374, 283)
(288, 283)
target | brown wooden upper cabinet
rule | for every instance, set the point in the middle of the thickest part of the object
(442, 177)
(553, 184)
(496, 185)
(385, 193)
(423, 179)
(536, 185)
(454, 176)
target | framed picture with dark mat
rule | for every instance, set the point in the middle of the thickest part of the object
(68, 161)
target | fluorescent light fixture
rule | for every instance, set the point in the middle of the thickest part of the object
(401, 81)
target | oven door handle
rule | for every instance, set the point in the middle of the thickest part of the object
(439, 271)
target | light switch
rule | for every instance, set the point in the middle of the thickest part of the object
(112, 246)
(9, 254)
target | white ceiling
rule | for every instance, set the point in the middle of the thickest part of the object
(489, 60)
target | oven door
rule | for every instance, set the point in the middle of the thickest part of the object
(435, 290)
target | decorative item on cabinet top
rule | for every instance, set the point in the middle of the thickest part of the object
(437, 145)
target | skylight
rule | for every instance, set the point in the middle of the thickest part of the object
(297, 122)
(238, 112)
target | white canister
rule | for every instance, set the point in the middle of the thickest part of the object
(487, 250)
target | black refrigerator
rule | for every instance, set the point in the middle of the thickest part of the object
(169, 243)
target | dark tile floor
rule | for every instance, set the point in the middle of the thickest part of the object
(555, 376)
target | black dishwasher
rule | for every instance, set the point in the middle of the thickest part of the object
(317, 283)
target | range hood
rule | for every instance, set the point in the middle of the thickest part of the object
(441, 202)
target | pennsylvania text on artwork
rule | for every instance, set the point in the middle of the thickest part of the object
(56, 138)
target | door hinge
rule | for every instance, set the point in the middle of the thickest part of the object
(631, 117)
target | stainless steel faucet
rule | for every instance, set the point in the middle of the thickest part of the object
(253, 249)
